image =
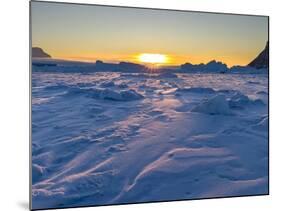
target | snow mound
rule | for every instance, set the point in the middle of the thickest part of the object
(240, 101)
(199, 90)
(217, 105)
(109, 94)
(130, 95)
(106, 94)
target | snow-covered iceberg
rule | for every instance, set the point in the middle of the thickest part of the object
(211, 67)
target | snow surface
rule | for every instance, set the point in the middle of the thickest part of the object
(109, 137)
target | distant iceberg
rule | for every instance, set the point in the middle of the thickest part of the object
(211, 67)
(216, 67)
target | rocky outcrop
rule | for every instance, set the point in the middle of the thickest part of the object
(39, 53)
(262, 60)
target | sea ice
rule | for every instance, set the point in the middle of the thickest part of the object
(114, 137)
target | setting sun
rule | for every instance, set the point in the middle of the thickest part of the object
(152, 58)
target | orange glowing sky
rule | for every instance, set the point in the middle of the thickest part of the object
(113, 34)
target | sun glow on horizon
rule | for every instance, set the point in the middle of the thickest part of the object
(153, 58)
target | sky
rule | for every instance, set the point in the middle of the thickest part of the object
(113, 34)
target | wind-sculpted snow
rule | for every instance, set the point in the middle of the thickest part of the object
(262, 124)
(107, 138)
(219, 104)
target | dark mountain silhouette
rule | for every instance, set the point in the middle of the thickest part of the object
(262, 60)
(39, 53)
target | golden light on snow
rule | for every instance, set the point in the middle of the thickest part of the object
(152, 58)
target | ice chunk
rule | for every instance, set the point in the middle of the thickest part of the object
(106, 93)
(125, 95)
(37, 172)
(215, 105)
(167, 91)
(130, 95)
(239, 101)
(110, 95)
(107, 84)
